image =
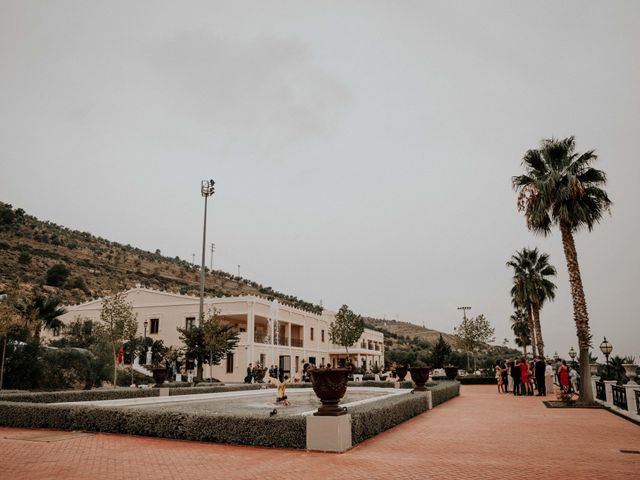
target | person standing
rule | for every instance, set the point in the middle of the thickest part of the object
(524, 376)
(505, 376)
(249, 377)
(499, 377)
(563, 376)
(515, 374)
(539, 370)
(573, 377)
(548, 377)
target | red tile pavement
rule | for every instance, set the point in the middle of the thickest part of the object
(478, 435)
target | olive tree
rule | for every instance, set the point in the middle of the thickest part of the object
(346, 329)
(120, 323)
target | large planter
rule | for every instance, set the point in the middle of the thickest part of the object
(451, 372)
(330, 385)
(401, 372)
(593, 368)
(630, 370)
(159, 375)
(420, 376)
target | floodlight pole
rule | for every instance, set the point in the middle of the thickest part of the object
(207, 190)
(464, 316)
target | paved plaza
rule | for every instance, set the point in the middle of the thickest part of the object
(479, 435)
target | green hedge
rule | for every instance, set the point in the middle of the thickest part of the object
(284, 432)
(79, 395)
(117, 394)
(371, 419)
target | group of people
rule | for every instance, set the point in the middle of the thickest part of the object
(524, 378)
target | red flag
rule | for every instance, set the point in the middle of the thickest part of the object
(121, 354)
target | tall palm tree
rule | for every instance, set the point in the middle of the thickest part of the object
(520, 328)
(559, 187)
(521, 292)
(532, 288)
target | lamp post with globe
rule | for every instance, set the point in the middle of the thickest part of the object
(606, 348)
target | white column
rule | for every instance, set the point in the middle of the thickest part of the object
(594, 379)
(251, 322)
(609, 392)
(631, 399)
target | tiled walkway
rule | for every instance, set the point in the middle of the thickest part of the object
(478, 435)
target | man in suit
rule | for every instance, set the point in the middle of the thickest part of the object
(515, 374)
(539, 368)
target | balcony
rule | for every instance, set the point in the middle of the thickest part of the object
(297, 342)
(261, 338)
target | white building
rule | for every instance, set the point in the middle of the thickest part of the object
(301, 336)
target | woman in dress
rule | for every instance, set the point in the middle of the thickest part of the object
(548, 377)
(524, 376)
(563, 376)
(499, 377)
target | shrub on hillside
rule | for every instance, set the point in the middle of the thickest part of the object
(57, 275)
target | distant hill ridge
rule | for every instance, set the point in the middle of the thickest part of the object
(97, 267)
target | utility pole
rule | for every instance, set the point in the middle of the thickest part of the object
(213, 249)
(464, 316)
(238, 270)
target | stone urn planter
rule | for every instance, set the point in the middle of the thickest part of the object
(159, 375)
(630, 370)
(330, 385)
(451, 372)
(593, 368)
(401, 372)
(420, 376)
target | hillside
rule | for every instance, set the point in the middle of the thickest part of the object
(96, 267)
(29, 248)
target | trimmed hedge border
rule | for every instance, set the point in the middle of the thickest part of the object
(370, 420)
(283, 432)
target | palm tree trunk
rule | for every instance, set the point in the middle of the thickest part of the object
(532, 330)
(538, 327)
(115, 365)
(580, 314)
(524, 346)
(4, 353)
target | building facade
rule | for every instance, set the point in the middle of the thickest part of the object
(298, 337)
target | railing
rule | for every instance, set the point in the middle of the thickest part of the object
(297, 342)
(283, 341)
(601, 394)
(619, 396)
(261, 338)
(637, 401)
(377, 348)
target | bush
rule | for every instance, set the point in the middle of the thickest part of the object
(444, 391)
(65, 368)
(57, 275)
(284, 432)
(78, 395)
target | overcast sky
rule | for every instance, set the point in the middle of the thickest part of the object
(362, 151)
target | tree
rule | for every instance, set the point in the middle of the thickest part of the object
(440, 353)
(120, 323)
(219, 338)
(559, 187)
(520, 326)
(472, 333)
(57, 275)
(531, 289)
(209, 342)
(346, 329)
(42, 311)
(10, 320)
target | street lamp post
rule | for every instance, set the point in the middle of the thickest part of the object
(207, 189)
(464, 316)
(572, 354)
(144, 339)
(606, 348)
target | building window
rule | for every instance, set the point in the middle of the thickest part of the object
(322, 362)
(155, 325)
(322, 336)
(56, 332)
(312, 334)
(263, 359)
(189, 323)
(297, 364)
(229, 362)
